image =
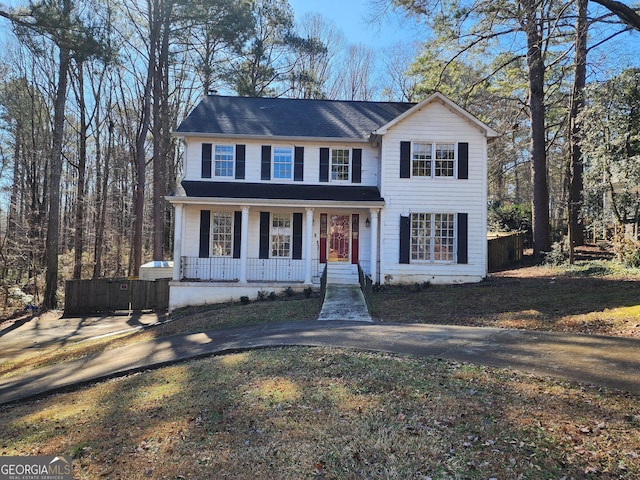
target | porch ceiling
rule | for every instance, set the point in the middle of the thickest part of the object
(361, 195)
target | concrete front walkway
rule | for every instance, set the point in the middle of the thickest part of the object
(606, 361)
(344, 302)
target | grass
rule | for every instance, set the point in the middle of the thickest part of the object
(535, 298)
(328, 413)
(342, 414)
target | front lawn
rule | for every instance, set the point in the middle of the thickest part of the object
(589, 298)
(341, 414)
(299, 413)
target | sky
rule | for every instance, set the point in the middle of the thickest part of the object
(352, 17)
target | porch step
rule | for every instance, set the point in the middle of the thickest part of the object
(342, 274)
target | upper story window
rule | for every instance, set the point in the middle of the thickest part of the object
(340, 164)
(445, 160)
(282, 163)
(433, 159)
(223, 161)
(421, 160)
(220, 160)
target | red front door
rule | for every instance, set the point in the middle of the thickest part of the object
(339, 238)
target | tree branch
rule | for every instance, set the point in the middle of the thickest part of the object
(624, 12)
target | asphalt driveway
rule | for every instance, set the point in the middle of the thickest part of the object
(612, 362)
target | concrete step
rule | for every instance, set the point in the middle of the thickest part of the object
(342, 274)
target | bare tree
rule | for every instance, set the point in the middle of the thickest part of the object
(316, 72)
(356, 81)
(397, 60)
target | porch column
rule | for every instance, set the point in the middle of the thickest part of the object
(244, 245)
(374, 243)
(177, 241)
(308, 246)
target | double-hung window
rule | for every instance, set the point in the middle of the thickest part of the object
(433, 159)
(421, 160)
(280, 235)
(222, 234)
(340, 164)
(282, 163)
(433, 237)
(223, 161)
(445, 160)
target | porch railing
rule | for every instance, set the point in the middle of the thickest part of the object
(225, 269)
(219, 269)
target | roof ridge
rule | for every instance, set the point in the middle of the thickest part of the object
(326, 100)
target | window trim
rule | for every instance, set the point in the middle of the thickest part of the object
(272, 235)
(433, 151)
(230, 234)
(432, 229)
(349, 164)
(214, 160)
(291, 163)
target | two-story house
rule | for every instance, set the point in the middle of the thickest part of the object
(276, 189)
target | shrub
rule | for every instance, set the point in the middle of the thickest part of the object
(557, 256)
(262, 295)
(244, 300)
(627, 251)
(289, 292)
(509, 218)
(272, 296)
(308, 292)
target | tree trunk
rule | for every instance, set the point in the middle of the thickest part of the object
(53, 223)
(102, 182)
(78, 241)
(140, 159)
(535, 63)
(161, 126)
(576, 227)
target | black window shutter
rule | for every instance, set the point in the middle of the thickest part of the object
(356, 168)
(298, 166)
(324, 164)
(237, 233)
(265, 227)
(240, 160)
(463, 160)
(266, 163)
(206, 160)
(297, 236)
(405, 238)
(405, 159)
(205, 229)
(463, 238)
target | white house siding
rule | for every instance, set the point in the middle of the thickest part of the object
(434, 123)
(253, 156)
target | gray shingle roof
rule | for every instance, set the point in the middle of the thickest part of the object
(287, 117)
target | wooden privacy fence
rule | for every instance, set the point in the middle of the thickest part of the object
(110, 295)
(504, 249)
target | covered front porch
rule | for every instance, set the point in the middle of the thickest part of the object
(245, 244)
(228, 248)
